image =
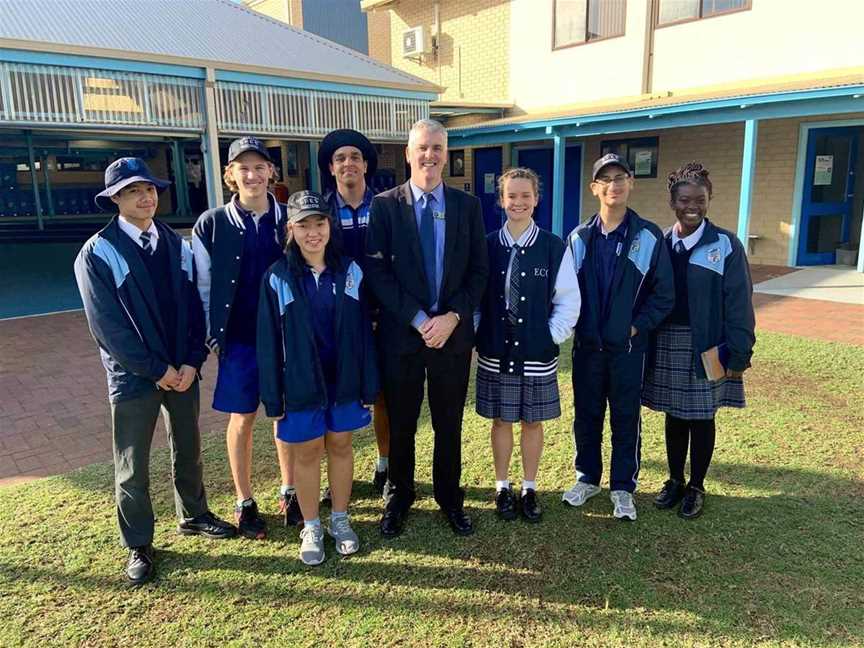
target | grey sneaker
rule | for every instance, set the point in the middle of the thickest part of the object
(346, 540)
(580, 493)
(312, 545)
(625, 508)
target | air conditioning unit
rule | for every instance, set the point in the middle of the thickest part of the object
(415, 42)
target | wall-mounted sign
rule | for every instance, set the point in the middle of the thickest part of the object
(824, 170)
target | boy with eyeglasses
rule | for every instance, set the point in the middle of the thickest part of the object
(625, 278)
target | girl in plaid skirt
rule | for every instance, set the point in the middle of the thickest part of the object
(530, 307)
(713, 308)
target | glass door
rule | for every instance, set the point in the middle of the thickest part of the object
(828, 194)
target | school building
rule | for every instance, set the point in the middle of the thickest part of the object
(768, 94)
(83, 82)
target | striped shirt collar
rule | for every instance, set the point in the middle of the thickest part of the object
(367, 199)
(526, 239)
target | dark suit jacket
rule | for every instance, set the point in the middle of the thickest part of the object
(394, 266)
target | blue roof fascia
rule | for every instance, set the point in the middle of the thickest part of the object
(74, 60)
(309, 84)
(494, 139)
(749, 102)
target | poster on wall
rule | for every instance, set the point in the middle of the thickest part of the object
(824, 170)
(489, 183)
(642, 163)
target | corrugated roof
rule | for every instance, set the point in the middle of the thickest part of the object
(214, 31)
(827, 79)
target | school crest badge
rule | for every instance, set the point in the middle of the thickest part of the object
(713, 255)
(634, 247)
(349, 283)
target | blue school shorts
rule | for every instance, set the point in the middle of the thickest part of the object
(305, 425)
(237, 381)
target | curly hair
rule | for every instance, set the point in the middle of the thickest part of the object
(518, 172)
(691, 173)
(228, 178)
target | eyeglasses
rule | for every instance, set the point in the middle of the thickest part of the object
(618, 180)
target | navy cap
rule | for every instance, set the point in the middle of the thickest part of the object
(335, 140)
(245, 144)
(606, 160)
(306, 203)
(123, 172)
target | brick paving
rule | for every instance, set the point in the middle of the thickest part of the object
(54, 411)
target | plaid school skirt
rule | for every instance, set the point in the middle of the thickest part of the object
(671, 384)
(517, 398)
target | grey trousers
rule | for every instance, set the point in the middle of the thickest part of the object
(134, 422)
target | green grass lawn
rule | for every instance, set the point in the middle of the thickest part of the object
(778, 558)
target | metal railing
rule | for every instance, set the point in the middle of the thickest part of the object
(251, 109)
(57, 95)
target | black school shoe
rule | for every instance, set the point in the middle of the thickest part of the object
(207, 525)
(289, 507)
(459, 521)
(505, 504)
(671, 493)
(692, 504)
(139, 567)
(249, 521)
(379, 479)
(529, 506)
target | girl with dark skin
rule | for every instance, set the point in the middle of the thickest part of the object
(713, 308)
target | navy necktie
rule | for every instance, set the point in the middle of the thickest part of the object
(679, 247)
(513, 309)
(427, 244)
(145, 242)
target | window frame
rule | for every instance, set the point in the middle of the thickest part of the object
(587, 18)
(748, 5)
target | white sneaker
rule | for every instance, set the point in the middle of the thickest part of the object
(312, 545)
(347, 541)
(625, 507)
(580, 493)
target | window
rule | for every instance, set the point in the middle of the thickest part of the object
(640, 153)
(582, 21)
(674, 11)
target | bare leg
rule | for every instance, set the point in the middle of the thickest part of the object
(340, 468)
(381, 423)
(285, 453)
(532, 449)
(239, 438)
(307, 473)
(502, 447)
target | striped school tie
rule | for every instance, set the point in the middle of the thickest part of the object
(513, 306)
(145, 242)
(679, 247)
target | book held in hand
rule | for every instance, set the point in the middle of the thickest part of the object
(715, 361)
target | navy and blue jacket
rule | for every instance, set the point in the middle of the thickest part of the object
(290, 370)
(122, 308)
(642, 292)
(218, 247)
(720, 297)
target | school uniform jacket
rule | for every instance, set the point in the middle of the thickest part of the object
(643, 287)
(720, 297)
(122, 310)
(547, 310)
(217, 244)
(285, 332)
(396, 274)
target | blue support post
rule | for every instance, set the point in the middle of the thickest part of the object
(34, 180)
(748, 173)
(558, 176)
(314, 177)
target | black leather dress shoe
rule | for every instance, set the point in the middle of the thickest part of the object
(530, 507)
(670, 495)
(139, 567)
(505, 504)
(459, 522)
(207, 525)
(392, 522)
(692, 504)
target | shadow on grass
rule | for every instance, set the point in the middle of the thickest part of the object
(777, 555)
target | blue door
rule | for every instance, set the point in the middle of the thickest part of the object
(829, 180)
(541, 161)
(487, 170)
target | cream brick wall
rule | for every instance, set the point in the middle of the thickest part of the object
(279, 10)
(380, 48)
(472, 60)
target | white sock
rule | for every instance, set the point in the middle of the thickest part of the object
(526, 484)
(382, 464)
(312, 523)
(502, 484)
(244, 502)
(287, 489)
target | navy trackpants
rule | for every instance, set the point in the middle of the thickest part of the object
(616, 377)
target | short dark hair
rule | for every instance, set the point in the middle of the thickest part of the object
(691, 173)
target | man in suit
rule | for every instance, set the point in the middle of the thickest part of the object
(427, 266)
(137, 282)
